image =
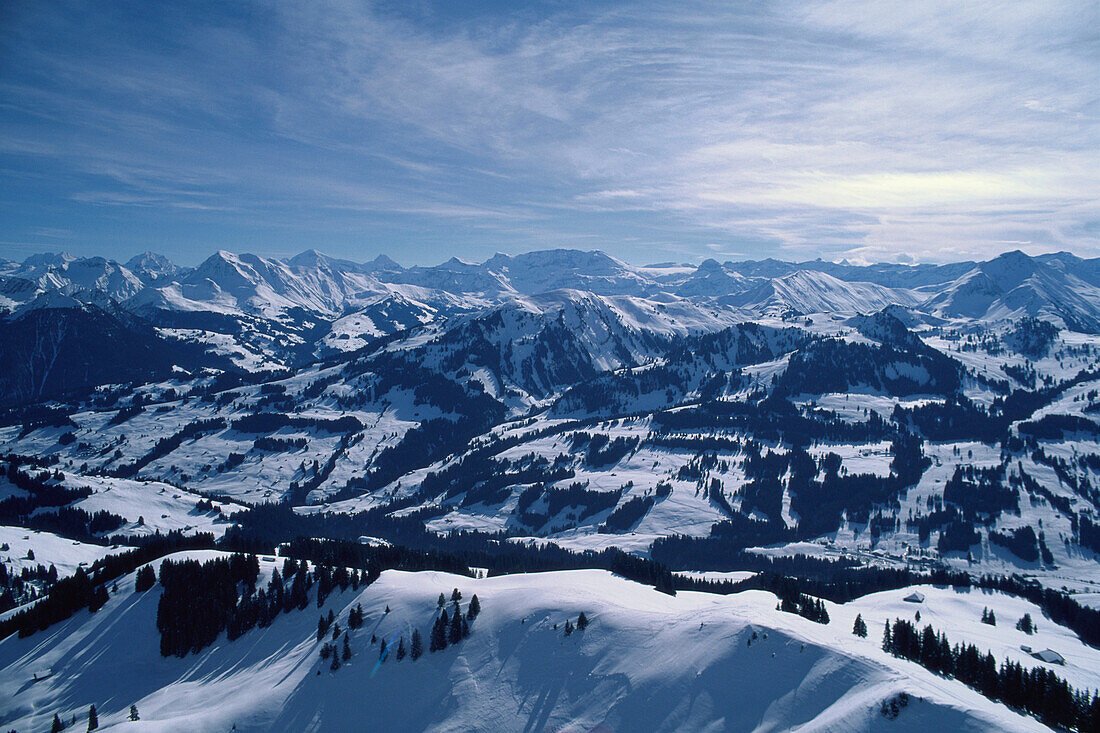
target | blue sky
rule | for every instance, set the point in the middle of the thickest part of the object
(894, 131)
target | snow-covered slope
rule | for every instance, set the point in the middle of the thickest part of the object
(646, 662)
(806, 291)
(1015, 285)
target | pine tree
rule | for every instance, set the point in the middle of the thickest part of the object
(401, 648)
(382, 651)
(134, 713)
(1025, 624)
(417, 647)
(99, 599)
(456, 596)
(347, 649)
(93, 719)
(474, 609)
(455, 631)
(887, 641)
(860, 627)
(355, 617)
(568, 627)
(336, 631)
(144, 579)
(290, 567)
(441, 602)
(335, 662)
(57, 726)
(438, 641)
(322, 628)
(582, 622)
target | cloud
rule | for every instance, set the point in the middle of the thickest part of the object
(859, 129)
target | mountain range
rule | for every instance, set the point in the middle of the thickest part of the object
(734, 431)
(1058, 286)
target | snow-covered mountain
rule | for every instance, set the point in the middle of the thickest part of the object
(840, 430)
(646, 661)
(1015, 285)
(1060, 287)
(151, 267)
(807, 291)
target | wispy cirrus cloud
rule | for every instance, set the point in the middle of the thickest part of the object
(839, 129)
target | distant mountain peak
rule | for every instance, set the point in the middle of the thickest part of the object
(382, 262)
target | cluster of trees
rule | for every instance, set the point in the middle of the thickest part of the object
(279, 445)
(957, 535)
(1031, 337)
(44, 491)
(64, 598)
(58, 724)
(1088, 532)
(1055, 427)
(126, 413)
(792, 600)
(600, 450)
(453, 629)
(430, 441)
(1021, 541)
(270, 422)
(582, 624)
(628, 514)
(202, 599)
(76, 523)
(835, 365)
(956, 418)
(87, 589)
(1036, 691)
(588, 502)
(981, 493)
(766, 419)
(22, 587)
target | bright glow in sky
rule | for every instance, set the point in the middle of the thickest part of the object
(924, 131)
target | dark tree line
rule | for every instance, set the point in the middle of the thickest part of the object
(627, 515)
(200, 600)
(66, 596)
(22, 587)
(1036, 691)
(87, 589)
(838, 581)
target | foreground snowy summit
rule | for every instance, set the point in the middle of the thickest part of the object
(647, 661)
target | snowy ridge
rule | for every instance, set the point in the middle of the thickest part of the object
(646, 662)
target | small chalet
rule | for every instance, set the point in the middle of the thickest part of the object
(1049, 656)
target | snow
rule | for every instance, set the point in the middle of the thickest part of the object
(647, 661)
(49, 549)
(162, 507)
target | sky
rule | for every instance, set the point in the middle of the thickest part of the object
(868, 131)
